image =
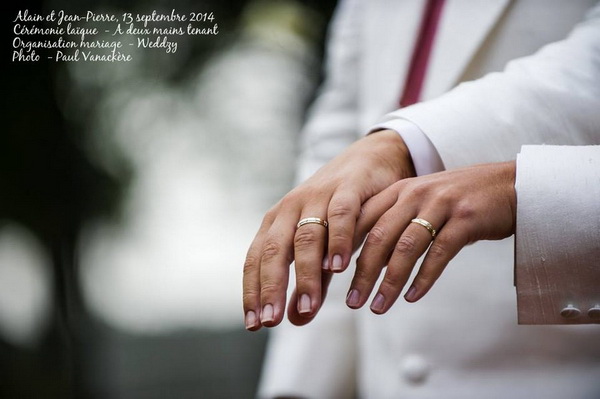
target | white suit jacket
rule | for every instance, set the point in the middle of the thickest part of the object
(462, 340)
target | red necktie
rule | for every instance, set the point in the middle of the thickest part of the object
(421, 52)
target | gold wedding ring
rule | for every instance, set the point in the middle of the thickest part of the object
(320, 221)
(425, 224)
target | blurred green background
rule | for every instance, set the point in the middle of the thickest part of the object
(129, 193)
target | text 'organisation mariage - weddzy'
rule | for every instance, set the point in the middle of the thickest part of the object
(92, 36)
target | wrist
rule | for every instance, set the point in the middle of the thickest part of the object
(395, 153)
(508, 172)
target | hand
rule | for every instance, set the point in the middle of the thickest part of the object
(335, 193)
(463, 206)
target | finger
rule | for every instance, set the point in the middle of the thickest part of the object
(372, 210)
(309, 250)
(444, 247)
(373, 257)
(299, 319)
(251, 280)
(412, 244)
(275, 258)
(344, 208)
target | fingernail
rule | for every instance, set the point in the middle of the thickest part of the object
(353, 298)
(325, 262)
(267, 313)
(250, 319)
(304, 305)
(378, 302)
(411, 294)
(336, 265)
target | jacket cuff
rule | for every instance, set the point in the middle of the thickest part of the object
(557, 270)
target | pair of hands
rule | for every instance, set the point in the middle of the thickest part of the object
(370, 190)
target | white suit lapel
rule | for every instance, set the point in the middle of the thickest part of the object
(389, 33)
(463, 28)
(385, 59)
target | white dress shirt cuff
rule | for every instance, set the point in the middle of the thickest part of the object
(425, 157)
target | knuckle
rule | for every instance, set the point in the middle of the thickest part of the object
(443, 196)
(305, 238)
(270, 215)
(426, 277)
(340, 235)
(376, 236)
(362, 211)
(271, 251)
(392, 278)
(339, 210)
(361, 274)
(418, 189)
(450, 193)
(250, 264)
(291, 199)
(406, 245)
(464, 210)
(269, 289)
(286, 202)
(438, 250)
(404, 184)
(305, 281)
(401, 185)
(249, 298)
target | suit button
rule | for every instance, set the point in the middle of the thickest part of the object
(594, 313)
(570, 312)
(414, 369)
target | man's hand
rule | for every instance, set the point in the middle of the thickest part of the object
(335, 193)
(463, 206)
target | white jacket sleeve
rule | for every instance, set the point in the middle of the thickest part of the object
(558, 234)
(551, 97)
